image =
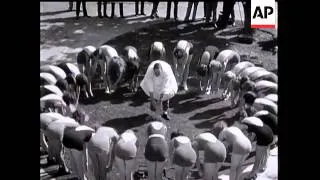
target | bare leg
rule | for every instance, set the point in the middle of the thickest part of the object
(130, 164)
(195, 7)
(178, 172)
(208, 171)
(43, 142)
(81, 68)
(236, 161)
(198, 164)
(159, 170)
(151, 170)
(186, 73)
(104, 74)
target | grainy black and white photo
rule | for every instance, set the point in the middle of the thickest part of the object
(157, 90)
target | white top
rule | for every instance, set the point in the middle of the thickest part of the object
(272, 97)
(166, 83)
(259, 74)
(89, 49)
(128, 136)
(109, 51)
(157, 135)
(48, 77)
(207, 137)
(259, 104)
(249, 70)
(241, 66)
(253, 121)
(182, 139)
(265, 84)
(225, 55)
(158, 46)
(55, 70)
(132, 54)
(54, 89)
(73, 68)
(53, 97)
(156, 125)
(231, 133)
(83, 128)
(182, 44)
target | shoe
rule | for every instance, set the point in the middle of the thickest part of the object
(77, 17)
(165, 116)
(156, 15)
(143, 13)
(167, 18)
(62, 171)
(105, 16)
(100, 16)
(87, 16)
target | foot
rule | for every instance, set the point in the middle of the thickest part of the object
(107, 91)
(105, 16)
(100, 16)
(165, 116)
(143, 13)
(185, 87)
(167, 18)
(87, 16)
(122, 16)
(77, 17)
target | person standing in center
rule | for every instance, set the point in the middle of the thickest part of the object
(211, 10)
(159, 83)
(104, 9)
(141, 8)
(175, 2)
(195, 6)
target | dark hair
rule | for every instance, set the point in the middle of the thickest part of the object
(79, 115)
(218, 127)
(249, 97)
(62, 84)
(71, 79)
(243, 80)
(202, 71)
(178, 53)
(156, 66)
(248, 86)
(69, 98)
(176, 134)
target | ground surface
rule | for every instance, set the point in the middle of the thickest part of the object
(62, 37)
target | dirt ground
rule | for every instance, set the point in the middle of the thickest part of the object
(61, 37)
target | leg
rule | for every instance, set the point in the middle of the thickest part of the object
(78, 3)
(151, 170)
(130, 164)
(178, 172)
(103, 66)
(121, 9)
(236, 160)
(84, 8)
(112, 9)
(99, 9)
(208, 11)
(105, 9)
(205, 9)
(159, 170)
(209, 171)
(168, 9)
(214, 11)
(195, 7)
(186, 73)
(142, 8)
(175, 10)
(43, 142)
(137, 7)
(70, 5)
(188, 11)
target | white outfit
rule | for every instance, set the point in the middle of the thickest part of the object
(166, 83)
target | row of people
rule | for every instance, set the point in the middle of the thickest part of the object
(209, 10)
(89, 153)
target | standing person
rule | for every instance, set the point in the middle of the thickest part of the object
(126, 152)
(160, 84)
(156, 150)
(204, 10)
(84, 8)
(195, 6)
(154, 12)
(241, 146)
(104, 9)
(215, 153)
(70, 5)
(175, 2)
(211, 10)
(141, 8)
(120, 9)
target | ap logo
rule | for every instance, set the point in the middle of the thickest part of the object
(263, 14)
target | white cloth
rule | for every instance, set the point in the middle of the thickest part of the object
(166, 83)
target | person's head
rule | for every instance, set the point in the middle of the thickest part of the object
(62, 84)
(202, 70)
(228, 76)
(247, 85)
(80, 116)
(218, 127)
(157, 69)
(175, 134)
(71, 100)
(249, 98)
(215, 66)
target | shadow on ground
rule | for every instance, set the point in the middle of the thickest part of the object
(122, 124)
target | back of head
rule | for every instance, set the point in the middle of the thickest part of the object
(116, 68)
(80, 116)
(62, 84)
(218, 127)
(69, 98)
(175, 134)
(249, 97)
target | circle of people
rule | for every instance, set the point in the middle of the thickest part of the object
(93, 151)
